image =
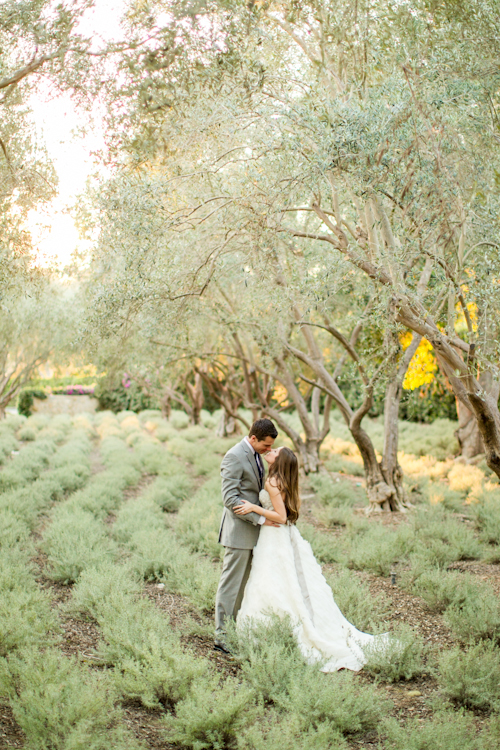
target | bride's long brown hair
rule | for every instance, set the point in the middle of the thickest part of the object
(285, 473)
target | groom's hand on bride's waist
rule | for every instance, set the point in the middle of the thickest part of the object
(267, 522)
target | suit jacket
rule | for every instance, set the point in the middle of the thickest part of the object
(240, 481)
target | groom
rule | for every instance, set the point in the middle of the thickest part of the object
(242, 472)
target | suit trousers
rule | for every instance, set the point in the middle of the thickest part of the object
(235, 571)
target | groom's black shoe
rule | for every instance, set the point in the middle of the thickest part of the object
(223, 649)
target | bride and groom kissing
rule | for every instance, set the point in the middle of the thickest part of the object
(268, 567)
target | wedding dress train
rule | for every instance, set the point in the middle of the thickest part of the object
(286, 579)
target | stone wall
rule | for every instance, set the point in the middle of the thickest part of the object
(59, 404)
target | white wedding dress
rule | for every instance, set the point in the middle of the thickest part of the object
(286, 579)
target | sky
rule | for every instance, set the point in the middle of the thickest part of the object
(57, 123)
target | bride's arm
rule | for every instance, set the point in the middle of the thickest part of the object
(278, 515)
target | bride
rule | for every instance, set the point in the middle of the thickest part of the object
(286, 579)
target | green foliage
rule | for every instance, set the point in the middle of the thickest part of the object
(149, 663)
(325, 546)
(178, 419)
(364, 610)
(336, 698)
(477, 616)
(395, 657)
(8, 443)
(472, 677)
(212, 716)
(169, 492)
(285, 732)
(440, 539)
(97, 589)
(158, 555)
(198, 520)
(73, 541)
(446, 731)
(274, 666)
(376, 548)
(27, 465)
(59, 705)
(342, 465)
(26, 617)
(137, 640)
(115, 397)
(269, 655)
(486, 514)
(331, 492)
(438, 588)
(26, 398)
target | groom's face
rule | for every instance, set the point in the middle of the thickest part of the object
(261, 446)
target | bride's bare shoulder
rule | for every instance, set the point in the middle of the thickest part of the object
(272, 487)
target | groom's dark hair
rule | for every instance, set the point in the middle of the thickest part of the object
(263, 428)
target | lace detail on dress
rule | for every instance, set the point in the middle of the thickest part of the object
(265, 500)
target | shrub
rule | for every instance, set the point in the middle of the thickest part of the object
(8, 443)
(126, 525)
(194, 433)
(28, 465)
(378, 548)
(13, 531)
(396, 657)
(183, 449)
(285, 732)
(472, 678)
(206, 463)
(326, 547)
(353, 597)
(59, 705)
(178, 419)
(270, 657)
(75, 541)
(158, 556)
(169, 492)
(435, 439)
(26, 398)
(437, 587)
(330, 492)
(487, 517)
(198, 520)
(26, 616)
(152, 457)
(27, 433)
(336, 698)
(331, 516)
(442, 539)
(477, 616)
(212, 716)
(340, 464)
(150, 665)
(110, 586)
(446, 731)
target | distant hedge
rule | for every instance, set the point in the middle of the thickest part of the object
(25, 400)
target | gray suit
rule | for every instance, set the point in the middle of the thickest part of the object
(238, 534)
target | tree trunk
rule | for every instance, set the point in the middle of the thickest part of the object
(197, 398)
(468, 433)
(391, 470)
(166, 406)
(228, 426)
